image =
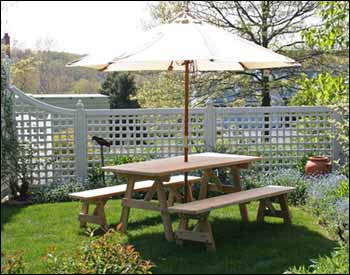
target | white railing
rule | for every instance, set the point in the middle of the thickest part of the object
(62, 137)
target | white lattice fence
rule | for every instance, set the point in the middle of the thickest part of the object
(281, 135)
(150, 133)
(61, 138)
(50, 132)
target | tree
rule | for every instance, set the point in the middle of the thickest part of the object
(120, 87)
(331, 88)
(85, 86)
(271, 24)
(164, 91)
(24, 71)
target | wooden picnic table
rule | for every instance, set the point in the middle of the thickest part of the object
(160, 171)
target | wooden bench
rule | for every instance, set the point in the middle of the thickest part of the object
(200, 210)
(100, 196)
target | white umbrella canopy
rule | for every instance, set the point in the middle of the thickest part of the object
(186, 38)
(184, 42)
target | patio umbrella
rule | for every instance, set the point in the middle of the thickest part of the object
(186, 43)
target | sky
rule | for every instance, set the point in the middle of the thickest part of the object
(74, 26)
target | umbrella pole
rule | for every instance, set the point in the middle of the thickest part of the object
(187, 87)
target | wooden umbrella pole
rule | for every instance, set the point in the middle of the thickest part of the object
(187, 88)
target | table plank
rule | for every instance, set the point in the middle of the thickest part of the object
(166, 166)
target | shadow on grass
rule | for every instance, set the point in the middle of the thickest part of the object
(241, 248)
(132, 225)
(8, 212)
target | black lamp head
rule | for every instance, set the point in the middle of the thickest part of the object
(101, 141)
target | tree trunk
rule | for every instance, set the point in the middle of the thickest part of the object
(265, 7)
(265, 91)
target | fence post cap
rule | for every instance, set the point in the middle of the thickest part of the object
(80, 104)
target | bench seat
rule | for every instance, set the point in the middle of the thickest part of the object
(200, 211)
(206, 205)
(100, 196)
(140, 186)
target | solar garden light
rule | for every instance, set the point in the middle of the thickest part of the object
(102, 142)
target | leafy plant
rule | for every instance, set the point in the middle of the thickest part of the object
(9, 145)
(331, 88)
(325, 89)
(329, 200)
(102, 256)
(282, 177)
(336, 263)
(57, 191)
(13, 264)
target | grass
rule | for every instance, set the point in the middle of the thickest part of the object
(241, 248)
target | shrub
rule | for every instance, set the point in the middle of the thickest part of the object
(282, 177)
(102, 256)
(336, 263)
(13, 264)
(57, 191)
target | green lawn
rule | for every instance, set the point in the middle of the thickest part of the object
(241, 248)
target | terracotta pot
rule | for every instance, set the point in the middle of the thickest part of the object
(318, 165)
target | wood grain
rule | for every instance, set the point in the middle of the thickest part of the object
(166, 166)
(206, 205)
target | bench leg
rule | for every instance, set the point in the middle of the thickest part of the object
(126, 210)
(261, 212)
(98, 216)
(183, 225)
(283, 200)
(266, 209)
(100, 213)
(235, 172)
(206, 227)
(202, 232)
(84, 211)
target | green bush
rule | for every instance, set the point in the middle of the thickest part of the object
(95, 177)
(282, 177)
(336, 263)
(13, 264)
(102, 256)
(58, 191)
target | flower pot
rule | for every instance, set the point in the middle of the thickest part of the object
(318, 165)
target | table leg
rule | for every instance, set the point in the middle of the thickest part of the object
(235, 172)
(168, 230)
(126, 210)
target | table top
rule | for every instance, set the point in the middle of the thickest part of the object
(168, 166)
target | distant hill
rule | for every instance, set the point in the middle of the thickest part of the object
(44, 72)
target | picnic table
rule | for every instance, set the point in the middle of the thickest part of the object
(160, 171)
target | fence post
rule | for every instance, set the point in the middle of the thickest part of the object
(80, 142)
(210, 127)
(338, 154)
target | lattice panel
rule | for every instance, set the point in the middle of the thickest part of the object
(51, 136)
(282, 136)
(146, 133)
